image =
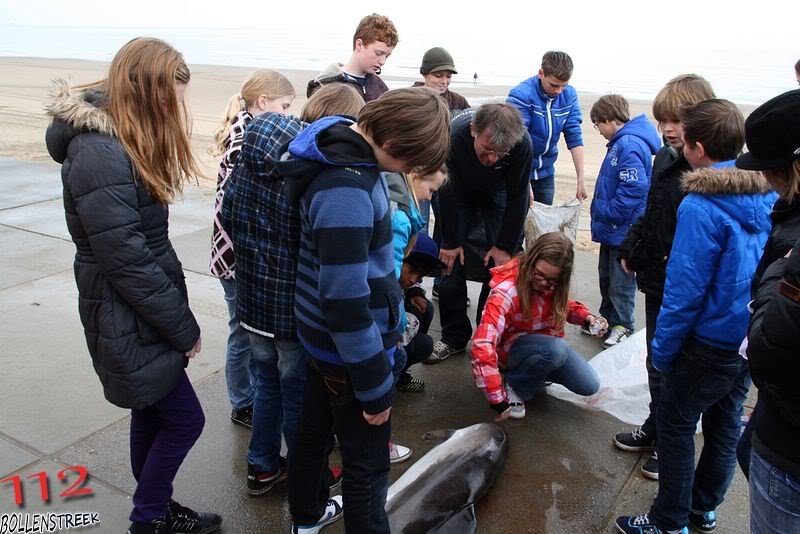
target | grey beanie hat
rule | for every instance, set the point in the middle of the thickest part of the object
(437, 59)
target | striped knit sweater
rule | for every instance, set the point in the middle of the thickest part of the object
(347, 301)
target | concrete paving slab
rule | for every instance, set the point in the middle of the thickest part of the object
(45, 218)
(47, 376)
(111, 507)
(25, 182)
(34, 256)
(192, 212)
(194, 250)
(13, 458)
(44, 379)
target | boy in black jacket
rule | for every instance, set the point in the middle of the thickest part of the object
(647, 245)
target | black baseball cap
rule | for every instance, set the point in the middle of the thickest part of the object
(772, 134)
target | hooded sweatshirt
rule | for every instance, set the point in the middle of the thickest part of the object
(503, 323)
(347, 301)
(620, 194)
(722, 227)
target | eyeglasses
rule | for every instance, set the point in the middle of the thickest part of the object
(543, 279)
(500, 155)
(595, 126)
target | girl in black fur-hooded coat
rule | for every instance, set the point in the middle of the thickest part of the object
(124, 149)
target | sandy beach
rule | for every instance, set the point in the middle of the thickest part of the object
(26, 82)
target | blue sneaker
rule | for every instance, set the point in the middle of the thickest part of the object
(333, 512)
(641, 524)
(703, 521)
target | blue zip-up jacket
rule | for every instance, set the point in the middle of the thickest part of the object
(723, 225)
(264, 228)
(347, 300)
(546, 118)
(620, 194)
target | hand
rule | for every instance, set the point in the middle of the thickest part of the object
(580, 194)
(500, 257)
(194, 350)
(420, 303)
(601, 322)
(505, 415)
(379, 418)
(624, 263)
(449, 257)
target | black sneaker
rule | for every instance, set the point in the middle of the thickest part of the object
(243, 417)
(441, 351)
(258, 483)
(158, 526)
(704, 521)
(636, 441)
(650, 467)
(181, 519)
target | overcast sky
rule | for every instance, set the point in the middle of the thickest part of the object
(680, 25)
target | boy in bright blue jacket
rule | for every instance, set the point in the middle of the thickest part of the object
(549, 106)
(620, 197)
(722, 227)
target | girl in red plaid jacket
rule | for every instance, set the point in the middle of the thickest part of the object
(522, 329)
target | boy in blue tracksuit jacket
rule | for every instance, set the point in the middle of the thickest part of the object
(620, 197)
(549, 106)
(347, 298)
(723, 223)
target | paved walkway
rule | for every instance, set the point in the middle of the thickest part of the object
(562, 474)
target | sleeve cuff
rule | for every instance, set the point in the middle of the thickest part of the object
(500, 407)
(380, 404)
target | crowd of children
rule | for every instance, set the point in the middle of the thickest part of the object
(326, 310)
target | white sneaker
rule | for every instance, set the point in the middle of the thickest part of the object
(616, 335)
(398, 453)
(517, 404)
(333, 512)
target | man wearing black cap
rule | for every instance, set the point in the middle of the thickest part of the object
(437, 69)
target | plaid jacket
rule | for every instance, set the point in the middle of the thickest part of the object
(265, 229)
(222, 257)
(502, 324)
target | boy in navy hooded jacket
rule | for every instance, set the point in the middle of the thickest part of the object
(347, 298)
(620, 197)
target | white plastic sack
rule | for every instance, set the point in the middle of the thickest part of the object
(543, 219)
(624, 392)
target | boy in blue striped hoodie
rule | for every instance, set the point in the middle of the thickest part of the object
(348, 301)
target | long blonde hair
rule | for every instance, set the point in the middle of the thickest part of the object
(269, 83)
(151, 123)
(557, 250)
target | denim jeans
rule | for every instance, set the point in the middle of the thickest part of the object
(425, 213)
(161, 436)
(535, 358)
(421, 345)
(744, 448)
(279, 375)
(652, 307)
(331, 406)
(774, 499)
(711, 383)
(617, 289)
(544, 189)
(238, 364)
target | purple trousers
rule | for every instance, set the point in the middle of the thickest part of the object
(161, 436)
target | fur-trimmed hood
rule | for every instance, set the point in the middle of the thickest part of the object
(74, 111)
(724, 181)
(742, 195)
